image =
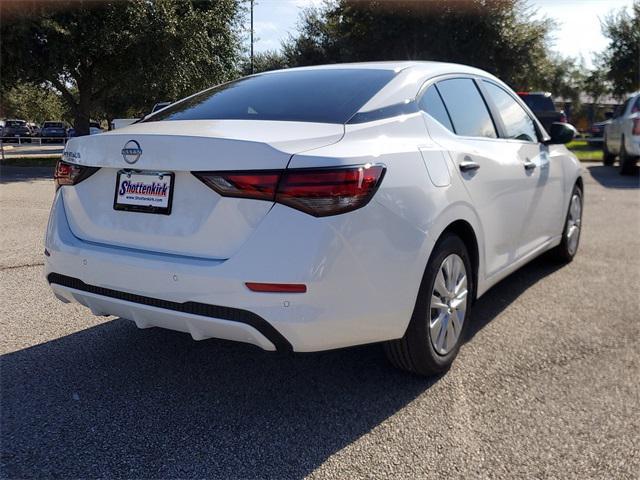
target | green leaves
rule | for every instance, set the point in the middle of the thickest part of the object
(114, 59)
(622, 56)
(501, 37)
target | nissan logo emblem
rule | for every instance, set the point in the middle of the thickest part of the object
(131, 151)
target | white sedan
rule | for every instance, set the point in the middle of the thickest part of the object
(316, 208)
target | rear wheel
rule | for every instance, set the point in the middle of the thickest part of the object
(607, 157)
(441, 313)
(572, 228)
(627, 162)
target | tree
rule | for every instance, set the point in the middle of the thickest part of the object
(263, 62)
(496, 35)
(622, 56)
(35, 103)
(114, 57)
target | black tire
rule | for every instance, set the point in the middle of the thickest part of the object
(627, 162)
(607, 157)
(415, 351)
(563, 253)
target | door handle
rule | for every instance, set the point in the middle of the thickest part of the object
(468, 166)
(529, 165)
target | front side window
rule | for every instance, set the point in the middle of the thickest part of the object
(517, 123)
(431, 103)
(331, 95)
(468, 112)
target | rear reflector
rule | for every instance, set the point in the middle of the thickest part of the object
(317, 191)
(71, 174)
(277, 287)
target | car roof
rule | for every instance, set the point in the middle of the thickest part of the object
(403, 86)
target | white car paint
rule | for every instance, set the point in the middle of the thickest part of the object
(362, 269)
(620, 128)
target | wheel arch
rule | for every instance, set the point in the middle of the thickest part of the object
(463, 229)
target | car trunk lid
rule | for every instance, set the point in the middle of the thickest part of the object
(201, 222)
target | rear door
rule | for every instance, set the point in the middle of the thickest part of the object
(492, 175)
(540, 178)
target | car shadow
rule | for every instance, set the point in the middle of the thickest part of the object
(11, 173)
(114, 401)
(501, 295)
(610, 177)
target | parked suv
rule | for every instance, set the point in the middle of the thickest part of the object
(14, 129)
(622, 136)
(542, 106)
(53, 131)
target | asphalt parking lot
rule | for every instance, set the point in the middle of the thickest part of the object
(547, 385)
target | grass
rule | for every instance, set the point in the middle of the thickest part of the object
(584, 152)
(30, 162)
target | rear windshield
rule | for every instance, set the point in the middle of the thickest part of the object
(324, 96)
(16, 123)
(52, 125)
(539, 103)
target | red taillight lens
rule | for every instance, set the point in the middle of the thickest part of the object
(317, 191)
(71, 174)
(636, 126)
(329, 191)
(258, 185)
(276, 287)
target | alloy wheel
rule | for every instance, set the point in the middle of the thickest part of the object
(448, 304)
(574, 221)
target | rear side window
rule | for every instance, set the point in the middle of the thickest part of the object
(432, 104)
(517, 123)
(539, 103)
(466, 108)
(325, 96)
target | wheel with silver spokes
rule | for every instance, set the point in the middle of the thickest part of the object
(573, 227)
(440, 316)
(448, 304)
(574, 220)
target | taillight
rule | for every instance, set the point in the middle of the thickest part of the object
(563, 117)
(317, 191)
(330, 191)
(258, 185)
(636, 126)
(71, 174)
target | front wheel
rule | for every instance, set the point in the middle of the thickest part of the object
(441, 313)
(573, 226)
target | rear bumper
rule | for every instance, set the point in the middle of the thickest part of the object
(354, 295)
(199, 319)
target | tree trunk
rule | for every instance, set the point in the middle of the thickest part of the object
(82, 114)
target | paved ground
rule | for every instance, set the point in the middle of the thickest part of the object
(546, 386)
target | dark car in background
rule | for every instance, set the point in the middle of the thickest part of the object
(53, 132)
(596, 133)
(16, 130)
(542, 106)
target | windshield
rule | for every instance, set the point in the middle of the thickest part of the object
(16, 123)
(324, 96)
(52, 125)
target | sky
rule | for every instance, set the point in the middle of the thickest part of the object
(578, 32)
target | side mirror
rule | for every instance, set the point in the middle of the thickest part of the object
(561, 133)
(608, 115)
